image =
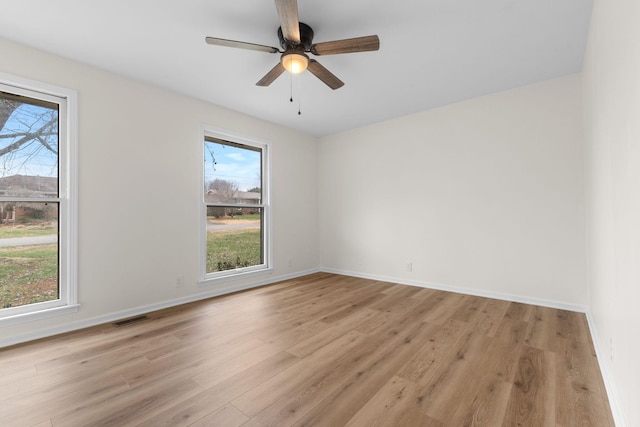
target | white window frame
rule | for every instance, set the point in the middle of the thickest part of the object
(207, 279)
(67, 301)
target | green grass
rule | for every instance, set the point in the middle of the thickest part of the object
(249, 217)
(9, 231)
(232, 249)
(28, 274)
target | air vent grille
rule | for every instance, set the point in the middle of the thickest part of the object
(129, 321)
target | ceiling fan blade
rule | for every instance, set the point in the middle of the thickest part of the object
(288, 14)
(325, 75)
(271, 75)
(358, 44)
(242, 45)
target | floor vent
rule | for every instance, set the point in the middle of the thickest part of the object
(129, 321)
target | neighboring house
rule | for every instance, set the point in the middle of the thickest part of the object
(27, 186)
(247, 198)
(221, 197)
(233, 198)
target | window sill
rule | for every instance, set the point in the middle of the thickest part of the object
(232, 277)
(38, 315)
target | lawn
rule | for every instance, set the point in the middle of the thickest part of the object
(227, 250)
(43, 229)
(28, 274)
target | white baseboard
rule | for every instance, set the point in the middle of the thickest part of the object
(609, 384)
(111, 317)
(475, 292)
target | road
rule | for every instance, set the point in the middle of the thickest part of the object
(240, 226)
(28, 241)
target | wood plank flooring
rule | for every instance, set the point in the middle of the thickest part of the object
(321, 350)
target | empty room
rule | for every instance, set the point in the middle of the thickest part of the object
(298, 213)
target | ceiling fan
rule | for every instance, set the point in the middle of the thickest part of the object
(296, 40)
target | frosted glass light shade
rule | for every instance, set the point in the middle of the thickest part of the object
(295, 63)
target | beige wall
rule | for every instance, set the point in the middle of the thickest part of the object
(612, 130)
(484, 195)
(139, 190)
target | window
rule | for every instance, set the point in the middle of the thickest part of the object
(37, 258)
(235, 206)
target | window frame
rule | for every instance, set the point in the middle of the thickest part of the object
(66, 99)
(217, 277)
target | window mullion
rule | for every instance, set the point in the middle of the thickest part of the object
(232, 205)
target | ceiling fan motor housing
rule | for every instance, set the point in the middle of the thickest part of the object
(306, 39)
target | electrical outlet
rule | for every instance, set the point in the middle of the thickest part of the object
(410, 266)
(180, 282)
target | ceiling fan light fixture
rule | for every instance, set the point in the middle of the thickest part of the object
(295, 62)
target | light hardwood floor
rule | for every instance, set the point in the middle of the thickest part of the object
(321, 350)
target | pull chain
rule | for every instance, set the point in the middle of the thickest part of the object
(299, 92)
(299, 95)
(291, 87)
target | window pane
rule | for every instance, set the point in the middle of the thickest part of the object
(231, 171)
(234, 205)
(234, 238)
(28, 253)
(28, 147)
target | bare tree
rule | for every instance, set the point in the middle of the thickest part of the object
(223, 191)
(25, 130)
(7, 107)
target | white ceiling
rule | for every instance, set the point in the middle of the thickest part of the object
(432, 52)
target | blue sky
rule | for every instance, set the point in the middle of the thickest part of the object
(234, 164)
(32, 158)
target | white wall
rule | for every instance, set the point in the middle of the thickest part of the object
(139, 151)
(485, 195)
(612, 130)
